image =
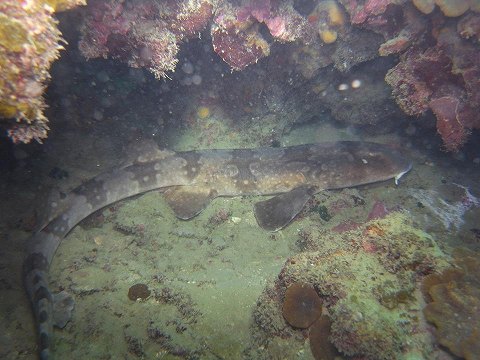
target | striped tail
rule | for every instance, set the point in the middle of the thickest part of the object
(42, 247)
(55, 309)
(35, 277)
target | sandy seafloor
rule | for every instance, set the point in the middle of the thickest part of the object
(205, 276)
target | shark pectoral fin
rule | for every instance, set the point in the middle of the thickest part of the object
(275, 213)
(188, 201)
(63, 305)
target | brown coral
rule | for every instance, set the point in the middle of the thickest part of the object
(319, 334)
(138, 291)
(454, 308)
(302, 305)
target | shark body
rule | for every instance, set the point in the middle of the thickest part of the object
(190, 180)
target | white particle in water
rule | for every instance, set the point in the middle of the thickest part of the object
(187, 68)
(356, 84)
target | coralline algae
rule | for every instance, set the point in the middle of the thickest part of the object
(449, 213)
(371, 297)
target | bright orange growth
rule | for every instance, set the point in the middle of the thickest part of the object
(328, 36)
(335, 14)
(203, 112)
(374, 230)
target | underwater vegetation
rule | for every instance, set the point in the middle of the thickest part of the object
(453, 303)
(29, 42)
(439, 58)
(436, 42)
(143, 33)
(366, 281)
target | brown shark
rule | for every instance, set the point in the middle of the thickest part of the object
(190, 180)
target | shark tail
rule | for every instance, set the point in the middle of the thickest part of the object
(49, 309)
(35, 277)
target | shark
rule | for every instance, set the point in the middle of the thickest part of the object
(190, 180)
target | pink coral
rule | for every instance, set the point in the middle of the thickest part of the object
(147, 33)
(142, 33)
(378, 211)
(235, 39)
(191, 19)
(283, 22)
(272, 15)
(443, 78)
(400, 24)
(260, 10)
(381, 16)
(235, 32)
(449, 121)
(439, 68)
(239, 49)
(412, 79)
(367, 11)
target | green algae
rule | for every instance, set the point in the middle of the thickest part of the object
(13, 34)
(377, 306)
(322, 212)
(220, 269)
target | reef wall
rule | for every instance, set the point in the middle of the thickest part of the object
(29, 42)
(433, 46)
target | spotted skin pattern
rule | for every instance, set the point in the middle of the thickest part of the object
(261, 171)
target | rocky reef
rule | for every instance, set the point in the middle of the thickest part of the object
(439, 57)
(437, 43)
(453, 298)
(143, 33)
(367, 280)
(29, 42)
(432, 49)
